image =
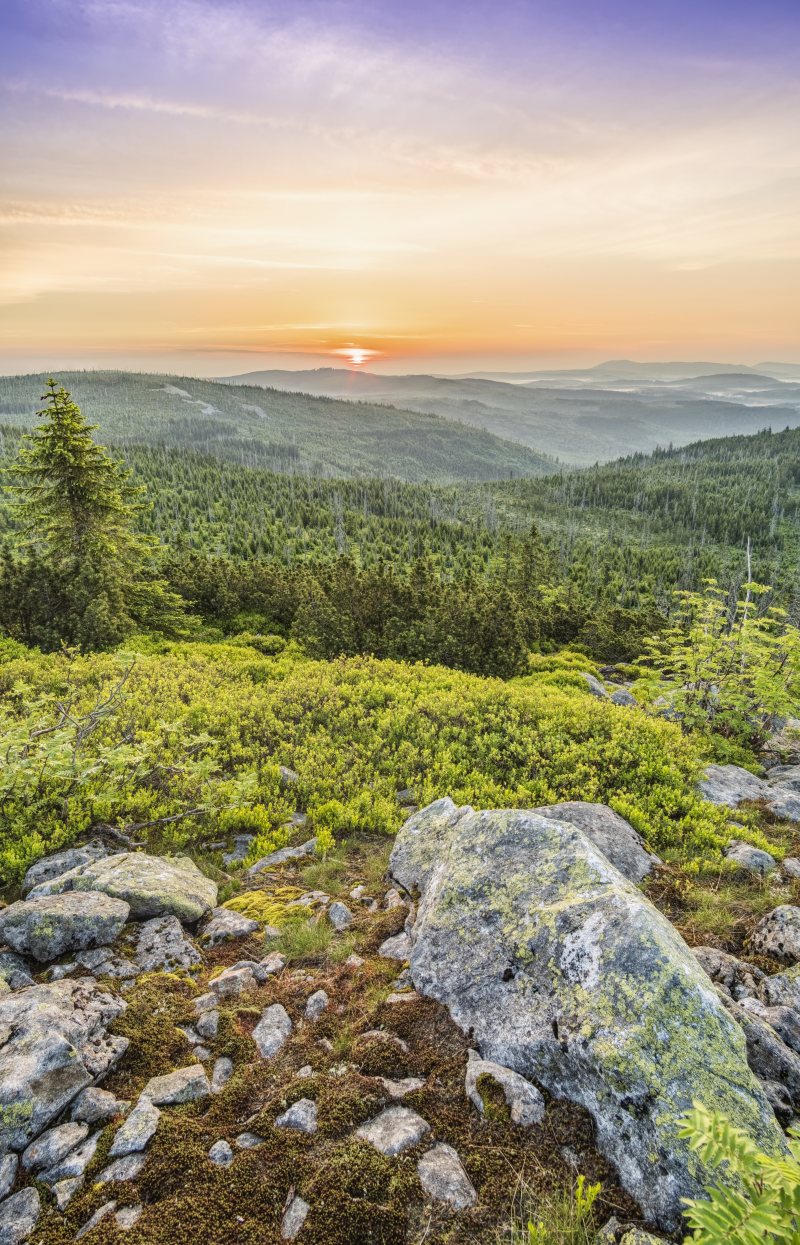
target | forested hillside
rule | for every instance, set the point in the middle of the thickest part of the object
(276, 431)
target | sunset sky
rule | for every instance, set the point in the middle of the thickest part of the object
(211, 186)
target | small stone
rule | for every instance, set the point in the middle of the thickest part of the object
(316, 1005)
(128, 1216)
(8, 1174)
(396, 948)
(778, 935)
(791, 867)
(394, 1130)
(249, 1141)
(302, 1116)
(19, 1215)
(281, 856)
(225, 924)
(221, 1073)
(405, 996)
(64, 1190)
(99, 1215)
(126, 1168)
(202, 1053)
(399, 1089)
(271, 964)
(73, 1164)
(393, 899)
(14, 971)
(622, 697)
(137, 1131)
(233, 982)
(304, 1072)
(205, 1002)
(207, 1024)
(524, 1100)
(53, 1145)
(354, 961)
(94, 1105)
(221, 1154)
(287, 777)
(594, 685)
(340, 916)
(241, 848)
(750, 859)
(443, 1178)
(272, 1031)
(358, 891)
(294, 1217)
(182, 1085)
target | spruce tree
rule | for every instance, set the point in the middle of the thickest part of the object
(78, 509)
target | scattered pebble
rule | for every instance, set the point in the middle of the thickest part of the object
(443, 1178)
(293, 1218)
(394, 1130)
(316, 1005)
(221, 1154)
(302, 1116)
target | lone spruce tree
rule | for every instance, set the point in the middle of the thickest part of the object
(89, 578)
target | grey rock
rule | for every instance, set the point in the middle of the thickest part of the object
(151, 885)
(221, 1073)
(340, 916)
(241, 848)
(396, 1129)
(294, 1217)
(769, 1057)
(311, 899)
(94, 1106)
(207, 1025)
(126, 1168)
(51, 1146)
(400, 1089)
(183, 1085)
(272, 1031)
(790, 866)
(785, 776)
(778, 935)
(96, 1219)
(301, 1116)
(622, 697)
(49, 927)
(784, 802)
(287, 777)
(443, 1178)
(271, 964)
(103, 962)
(784, 1020)
(398, 947)
(74, 1164)
(202, 1052)
(564, 972)
(233, 982)
(55, 1046)
(128, 1216)
(14, 971)
(738, 979)
(316, 1005)
(780, 1100)
(224, 925)
(594, 685)
(249, 1141)
(137, 1131)
(162, 946)
(62, 862)
(8, 1174)
(782, 990)
(205, 1002)
(283, 855)
(221, 1154)
(393, 899)
(750, 859)
(615, 837)
(19, 1215)
(64, 1190)
(731, 785)
(525, 1103)
(784, 743)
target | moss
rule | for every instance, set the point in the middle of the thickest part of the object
(269, 906)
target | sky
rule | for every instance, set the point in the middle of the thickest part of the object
(217, 186)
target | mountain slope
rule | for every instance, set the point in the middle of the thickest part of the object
(279, 431)
(596, 419)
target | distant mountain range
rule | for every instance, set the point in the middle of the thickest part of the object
(581, 416)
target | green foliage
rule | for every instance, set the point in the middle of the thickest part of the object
(730, 668)
(201, 728)
(563, 1218)
(757, 1199)
(89, 578)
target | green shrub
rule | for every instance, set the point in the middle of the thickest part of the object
(758, 1197)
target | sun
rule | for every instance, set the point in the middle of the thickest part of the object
(356, 356)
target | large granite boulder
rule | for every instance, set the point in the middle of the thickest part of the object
(615, 836)
(49, 927)
(562, 971)
(53, 1043)
(151, 885)
(53, 866)
(731, 785)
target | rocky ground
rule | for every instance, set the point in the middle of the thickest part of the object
(379, 1051)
